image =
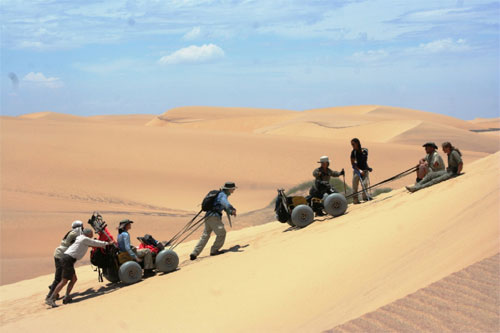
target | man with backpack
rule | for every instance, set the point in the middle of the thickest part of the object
(214, 204)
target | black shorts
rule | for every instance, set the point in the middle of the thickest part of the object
(68, 267)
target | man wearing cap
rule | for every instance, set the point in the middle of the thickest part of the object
(431, 162)
(75, 252)
(137, 255)
(321, 184)
(67, 241)
(213, 222)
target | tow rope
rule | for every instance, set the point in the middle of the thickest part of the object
(393, 178)
(188, 229)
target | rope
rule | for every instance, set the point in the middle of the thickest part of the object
(184, 229)
(193, 228)
(393, 178)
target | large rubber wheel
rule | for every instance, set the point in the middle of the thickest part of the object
(111, 275)
(335, 204)
(130, 272)
(302, 216)
(167, 261)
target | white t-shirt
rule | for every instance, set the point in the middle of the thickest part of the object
(78, 249)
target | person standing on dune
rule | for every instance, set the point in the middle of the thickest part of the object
(213, 222)
(431, 162)
(455, 165)
(359, 162)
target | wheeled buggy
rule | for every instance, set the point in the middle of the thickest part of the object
(115, 266)
(298, 211)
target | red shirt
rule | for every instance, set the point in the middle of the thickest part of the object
(150, 247)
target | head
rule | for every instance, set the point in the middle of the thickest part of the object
(229, 188)
(77, 225)
(324, 161)
(356, 144)
(430, 147)
(125, 225)
(447, 147)
(88, 232)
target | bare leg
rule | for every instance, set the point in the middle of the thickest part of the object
(71, 285)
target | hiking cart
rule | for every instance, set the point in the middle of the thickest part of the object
(116, 266)
(298, 211)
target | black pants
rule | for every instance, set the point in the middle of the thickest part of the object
(57, 275)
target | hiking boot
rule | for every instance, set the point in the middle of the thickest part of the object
(218, 252)
(148, 273)
(51, 302)
(411, 189)
(67, 299)
(192, 257)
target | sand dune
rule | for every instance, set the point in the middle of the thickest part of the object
(311, 279)
(466, 301)
(57, 168)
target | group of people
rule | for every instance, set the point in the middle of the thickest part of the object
(431, 170)
(74, 246)
(323, 174)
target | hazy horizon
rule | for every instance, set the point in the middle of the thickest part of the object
(94, 58)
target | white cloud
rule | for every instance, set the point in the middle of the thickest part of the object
(193, 54)
(192, 34)
(444, 45)
(370, 56)
(41, 80)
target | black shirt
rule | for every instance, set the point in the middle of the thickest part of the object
(360, 158)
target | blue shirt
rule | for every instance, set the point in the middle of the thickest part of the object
(221, 203)
(124, 243)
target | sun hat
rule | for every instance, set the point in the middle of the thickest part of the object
(324, 159)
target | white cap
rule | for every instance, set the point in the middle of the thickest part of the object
(324, 159)
(77, 224)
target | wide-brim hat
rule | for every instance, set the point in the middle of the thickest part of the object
(324, 159)
(432, 144)
(123, 223)
(229, 186)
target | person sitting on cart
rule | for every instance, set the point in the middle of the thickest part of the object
(321, 184)
(137, 255)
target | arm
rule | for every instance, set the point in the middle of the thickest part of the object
(317, 173)
(226, 205)
(94, 242)
(460, 167)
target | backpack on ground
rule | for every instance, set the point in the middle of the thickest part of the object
(208, 202)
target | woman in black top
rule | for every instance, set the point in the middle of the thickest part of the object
(359, 161)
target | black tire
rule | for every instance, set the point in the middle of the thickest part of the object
(167, 261)
(111, 275)
(302, 216)
(130, 272)
(335, 204)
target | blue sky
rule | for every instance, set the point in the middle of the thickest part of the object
(116, 57)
